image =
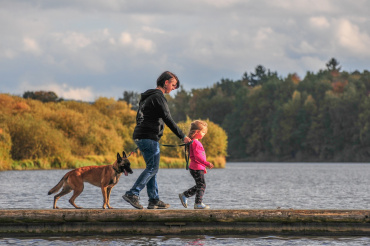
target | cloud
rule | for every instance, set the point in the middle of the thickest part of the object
(153, 30)
(102, 48)
(62, 90)
(139, 44)
(222, 3)
(351, 38)
(319, 22)
(307, 6)
(263, 35)
(30, 45)
(126, 38)
(8, 53)
(74, 40)
(67, 92)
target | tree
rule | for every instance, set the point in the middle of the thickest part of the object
(43, 96)
(292, 124)
(131, 97)
(332, 65)
(179, 105)
(259, 76)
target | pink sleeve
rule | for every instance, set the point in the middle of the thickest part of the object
(199, 153)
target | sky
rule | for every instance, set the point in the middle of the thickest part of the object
(86, 49)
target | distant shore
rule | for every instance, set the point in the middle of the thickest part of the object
(137, 162)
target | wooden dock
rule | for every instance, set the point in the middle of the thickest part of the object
(20, 222)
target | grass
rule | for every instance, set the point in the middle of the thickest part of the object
(137, 162)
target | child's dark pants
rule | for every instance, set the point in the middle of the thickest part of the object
(200, 186)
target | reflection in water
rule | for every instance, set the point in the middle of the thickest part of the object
(187, 240)
(196, 242)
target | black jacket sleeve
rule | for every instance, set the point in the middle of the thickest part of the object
(165, 114)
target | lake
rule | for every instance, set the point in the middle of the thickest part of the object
(238, 186)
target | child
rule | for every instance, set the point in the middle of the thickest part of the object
(198, 164)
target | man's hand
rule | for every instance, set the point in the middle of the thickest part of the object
(187, 140)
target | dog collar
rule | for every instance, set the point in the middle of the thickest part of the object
(116, 170)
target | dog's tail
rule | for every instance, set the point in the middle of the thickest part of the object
(58, 186)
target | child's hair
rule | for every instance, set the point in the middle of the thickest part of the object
(197, 125)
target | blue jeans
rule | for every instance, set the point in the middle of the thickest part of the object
(150, 151)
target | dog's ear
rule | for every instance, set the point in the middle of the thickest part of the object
(124, 154)
(118, 156)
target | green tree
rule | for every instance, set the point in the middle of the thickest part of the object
(333, 65)
(179, 105)
(363, 125)
(260, 76)
(293, 122)
(132, 98)
(43, 96)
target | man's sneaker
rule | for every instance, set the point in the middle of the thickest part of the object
(200, 206)
(183, 199)
(158, 205)
(133, 200)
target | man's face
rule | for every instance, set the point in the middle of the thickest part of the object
(170, 85)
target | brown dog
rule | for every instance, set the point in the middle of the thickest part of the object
(104, 177)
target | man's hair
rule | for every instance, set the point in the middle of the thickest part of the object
(167, 75)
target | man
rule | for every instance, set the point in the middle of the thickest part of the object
(151, 116)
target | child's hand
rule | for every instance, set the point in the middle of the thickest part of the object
(187, 140)
(210, 166)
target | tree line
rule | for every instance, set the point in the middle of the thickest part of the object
(41, 130)
(323, 117)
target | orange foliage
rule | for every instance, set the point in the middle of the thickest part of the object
(5, 102)
(296, 79)
(338, 86)
(13, 104)
(63, 130)
(335, 73)
(21, 106)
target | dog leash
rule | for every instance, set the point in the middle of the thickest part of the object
(133, 152)
(187, 152)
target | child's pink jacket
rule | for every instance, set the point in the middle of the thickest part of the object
(198, 156)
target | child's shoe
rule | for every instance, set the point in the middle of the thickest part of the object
(183, 199)
(158, 204)
(200, 206)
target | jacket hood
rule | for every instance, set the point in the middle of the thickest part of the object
(149, 93)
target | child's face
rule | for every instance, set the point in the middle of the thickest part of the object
(200, 134)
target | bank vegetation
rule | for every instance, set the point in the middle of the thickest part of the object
(70, 134)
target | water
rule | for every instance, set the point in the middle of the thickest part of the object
(238, 186)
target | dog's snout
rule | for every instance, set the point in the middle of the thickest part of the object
(128, 169)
